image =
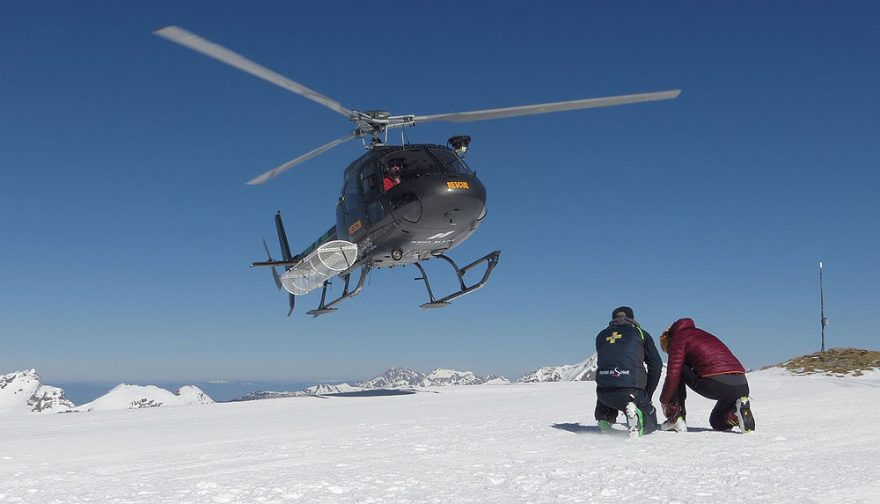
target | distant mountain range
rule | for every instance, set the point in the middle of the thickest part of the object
(394, 378)
(23, 391)
(403, 378)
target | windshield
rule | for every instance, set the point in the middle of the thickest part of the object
(450, 159)
(420, 162)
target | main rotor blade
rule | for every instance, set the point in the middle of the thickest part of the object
(278, 170)
(544, 108)
(220, 53)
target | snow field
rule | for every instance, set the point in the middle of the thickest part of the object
(531, 443)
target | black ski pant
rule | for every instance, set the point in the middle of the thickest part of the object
(725, 389)
(610, 401)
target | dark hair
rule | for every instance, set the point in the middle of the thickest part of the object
(626, 310)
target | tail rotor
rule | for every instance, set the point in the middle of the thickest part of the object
(288, 259)
(275, 274)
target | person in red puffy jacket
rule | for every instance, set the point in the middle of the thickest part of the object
(702, 362)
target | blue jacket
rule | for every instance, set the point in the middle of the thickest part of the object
(624, 350)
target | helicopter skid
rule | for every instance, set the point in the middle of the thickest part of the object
(429, 306)
(324, 307)
(322, 311)
(491, 260)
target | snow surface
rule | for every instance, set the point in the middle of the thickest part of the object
(816, 441)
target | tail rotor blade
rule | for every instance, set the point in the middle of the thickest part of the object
(275, 274)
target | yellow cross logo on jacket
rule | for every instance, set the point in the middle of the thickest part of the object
(614, 337)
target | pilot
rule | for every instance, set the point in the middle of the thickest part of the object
(392, 178)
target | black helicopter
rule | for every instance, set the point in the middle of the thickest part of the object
(400, 204)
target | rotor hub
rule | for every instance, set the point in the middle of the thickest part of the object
(378, 114)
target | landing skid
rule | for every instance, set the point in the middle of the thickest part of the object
(325, 308)
(491, 260)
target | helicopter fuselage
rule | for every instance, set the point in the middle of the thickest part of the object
(436, 204)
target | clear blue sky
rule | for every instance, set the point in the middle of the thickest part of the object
(126, 229)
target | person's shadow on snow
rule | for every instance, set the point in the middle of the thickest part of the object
(578, 428)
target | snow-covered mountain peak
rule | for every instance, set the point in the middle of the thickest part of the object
(582, 371)
(22, 392)
(125, 396)
(392, 378)
(450, 377)
(190, 394)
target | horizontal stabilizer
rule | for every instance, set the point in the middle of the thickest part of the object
(275, 263)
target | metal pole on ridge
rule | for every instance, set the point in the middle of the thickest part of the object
(823, 320)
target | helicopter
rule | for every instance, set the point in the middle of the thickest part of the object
(399, 204)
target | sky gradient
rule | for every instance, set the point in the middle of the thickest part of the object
(126, 229)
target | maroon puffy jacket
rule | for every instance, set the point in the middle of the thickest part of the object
(689, 346)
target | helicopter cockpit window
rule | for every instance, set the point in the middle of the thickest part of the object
(420, 162)
(370, 180)
(351, 194)
(451, 161)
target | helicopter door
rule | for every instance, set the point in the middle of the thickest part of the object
(370, 188)
(353, 210)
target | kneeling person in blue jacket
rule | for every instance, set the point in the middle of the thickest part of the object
(622, 381)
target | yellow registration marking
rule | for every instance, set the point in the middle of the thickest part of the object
(354, 227)
(458, 185)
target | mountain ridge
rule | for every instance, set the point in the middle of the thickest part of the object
(405, 378)
(24, 392)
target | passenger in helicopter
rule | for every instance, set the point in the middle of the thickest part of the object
(392, 177)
